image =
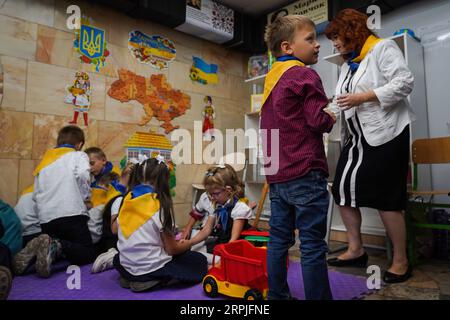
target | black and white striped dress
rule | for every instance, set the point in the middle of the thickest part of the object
(368, 176)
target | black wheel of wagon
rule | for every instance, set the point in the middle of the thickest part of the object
(210, 287)
(253, 294)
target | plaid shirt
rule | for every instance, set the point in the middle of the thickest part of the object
(295, 107)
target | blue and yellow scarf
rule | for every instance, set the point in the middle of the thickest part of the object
(283, 64)
(138, 207)
(52, 155)
(106, 169)
(356, 59)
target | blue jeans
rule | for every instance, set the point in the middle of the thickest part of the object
(299, 204)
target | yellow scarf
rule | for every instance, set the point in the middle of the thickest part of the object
(51, 156)
(101, 196)
(275, 73)
(116, 170)
(111, 193)
(98, 196)
(135, 212)
(371, 41)
(30, 189)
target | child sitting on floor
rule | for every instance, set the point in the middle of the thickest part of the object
(100, 193)
(231, 212)
(61, 193)
(26, 211)
(5, 267)
(99, 164)
(149, 255)
(200, 212)
(108, 242)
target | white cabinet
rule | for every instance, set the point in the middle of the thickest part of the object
(413, 52)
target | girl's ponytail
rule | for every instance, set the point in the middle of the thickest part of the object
(156, 173)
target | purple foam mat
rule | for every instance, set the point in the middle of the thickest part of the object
(105, 286)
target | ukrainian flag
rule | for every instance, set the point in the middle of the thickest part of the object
(204, 71)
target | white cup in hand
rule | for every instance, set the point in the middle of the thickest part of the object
(333, 107)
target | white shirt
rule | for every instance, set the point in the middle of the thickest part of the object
(61, 188)
(143, 252)
(204, 207)
(115, 207)
(384, 71)
(95, 222)
(240, 211)
(25, 210)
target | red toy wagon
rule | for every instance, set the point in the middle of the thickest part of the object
(242, 272)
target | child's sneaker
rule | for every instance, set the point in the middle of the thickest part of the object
(124, 283)
(48, 250)
(104, 261)
(143, 286)
(23, 259)
(5, 282)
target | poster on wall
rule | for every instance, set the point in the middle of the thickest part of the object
(209, 20)
(155, 94)
(203, 72)
(316, 10)
(79, 96)
(90, 43)
(154, 50)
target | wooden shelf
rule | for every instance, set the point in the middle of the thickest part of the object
(252, 114)
(334, 58)
(256, 80)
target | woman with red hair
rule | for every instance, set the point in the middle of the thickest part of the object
(373, 85)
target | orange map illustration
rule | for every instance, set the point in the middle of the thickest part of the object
(157, 97)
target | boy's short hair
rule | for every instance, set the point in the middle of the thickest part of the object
(70, 135)
(283, 29)
(95, 151)
(107, 178)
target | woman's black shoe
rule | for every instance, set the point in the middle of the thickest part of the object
(360, 262)
(390, 277)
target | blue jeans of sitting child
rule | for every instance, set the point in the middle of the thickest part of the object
(299, 204)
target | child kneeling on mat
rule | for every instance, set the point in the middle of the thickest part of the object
(231, 212)
(149, 255)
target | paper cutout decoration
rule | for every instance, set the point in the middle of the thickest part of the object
(203, 72)
(209, 115)
(154, 50)
(151, 145)
(157, 97)
(79, 95)
(90, 43)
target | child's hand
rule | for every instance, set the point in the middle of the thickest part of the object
(88, 204)
(252, 205)
(351, 100)
(186, 234)
(186, 243)
(331, 114)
